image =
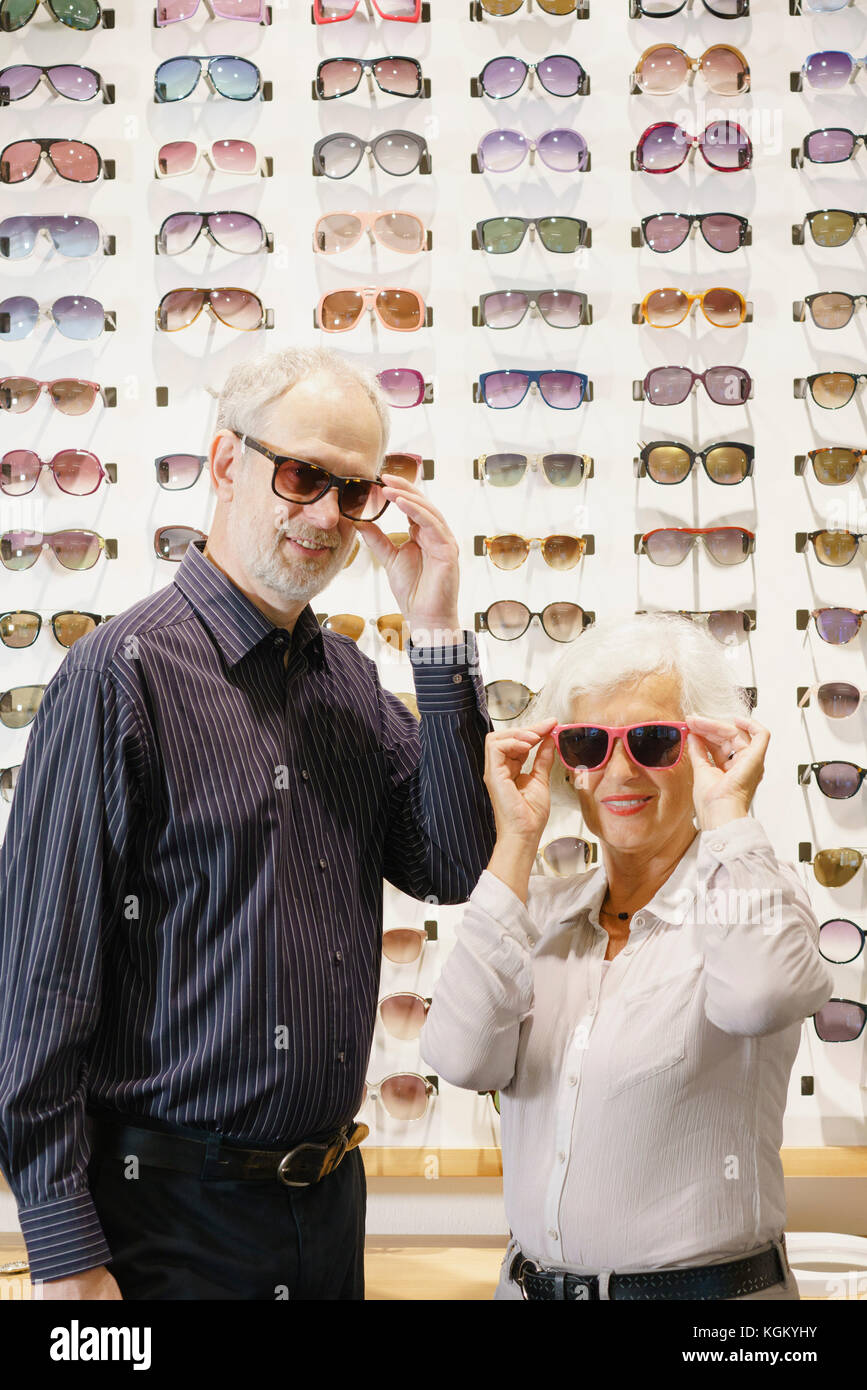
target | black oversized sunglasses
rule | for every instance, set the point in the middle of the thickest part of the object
(301, 482)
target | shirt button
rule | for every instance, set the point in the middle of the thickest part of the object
(305, 775)
(323, 863)
(561, 1157)
(553, 1235)
(627, 951)
(638, 921)
(717, 846)
(340, 1056)
(338, 956)
(456, 680)
(573, 1080)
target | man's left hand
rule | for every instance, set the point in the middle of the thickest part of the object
(423, 572)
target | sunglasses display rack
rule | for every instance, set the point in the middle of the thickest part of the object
(589, 292)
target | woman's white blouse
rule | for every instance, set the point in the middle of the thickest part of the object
(642, 1106)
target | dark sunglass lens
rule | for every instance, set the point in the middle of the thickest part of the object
(14, 14)
(583, 746)
(838, 699)
(18, 706)
(840, 1020)
(504, 470)
(19, 629)
(563, 470)
(361, 500)
(838, 780)
(500, 235)
(722, 231)
(727, 464)
(655, 745)
(298, 481)
(68, 627)
(503, 77)
(668, 463)
(177, 471)
(666, 232)
(561, 234)
(836, 867)
(837, 625)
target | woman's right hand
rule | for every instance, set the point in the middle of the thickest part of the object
(521, 800)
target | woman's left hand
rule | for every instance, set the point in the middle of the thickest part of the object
(728, 762)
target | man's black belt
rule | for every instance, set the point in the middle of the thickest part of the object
(700, 1282)
(214, 1158)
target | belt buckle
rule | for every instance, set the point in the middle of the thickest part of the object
(285, 1161)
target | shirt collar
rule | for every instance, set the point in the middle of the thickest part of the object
(235, 622)
(669, 903)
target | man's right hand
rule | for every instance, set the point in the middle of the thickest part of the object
(90, 1283)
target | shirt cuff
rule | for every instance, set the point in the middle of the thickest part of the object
(733, 839)
(495, 898)
(63, 1237)
(447, 679)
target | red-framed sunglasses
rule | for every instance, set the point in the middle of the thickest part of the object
(656, 745)
(332, 11)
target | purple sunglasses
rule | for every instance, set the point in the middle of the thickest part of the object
(173, 11)
(500, 151)
(672, 385)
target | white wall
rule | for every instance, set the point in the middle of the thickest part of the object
(612, 506)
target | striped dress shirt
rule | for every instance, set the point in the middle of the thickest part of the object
(191, 910)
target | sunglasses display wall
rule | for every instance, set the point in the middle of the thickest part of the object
(400, 131)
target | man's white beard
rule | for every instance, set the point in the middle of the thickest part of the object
(268, 561)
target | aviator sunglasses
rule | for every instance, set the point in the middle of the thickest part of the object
(68, 80)
(226, 75)
(75, 14)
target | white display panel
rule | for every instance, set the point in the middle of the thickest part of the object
(612, 506)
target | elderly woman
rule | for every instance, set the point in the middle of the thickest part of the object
(639, 1020)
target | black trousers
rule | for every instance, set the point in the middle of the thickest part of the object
(177, 1236)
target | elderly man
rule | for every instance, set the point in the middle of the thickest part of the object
(213, 791)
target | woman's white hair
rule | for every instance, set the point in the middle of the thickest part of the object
(259, 381)
(619, 652)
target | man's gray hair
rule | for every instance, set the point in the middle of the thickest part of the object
(259, 381)
(619, 652)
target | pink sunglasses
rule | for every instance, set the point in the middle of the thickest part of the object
(173, 11)
(656, 745)
(332, 11)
